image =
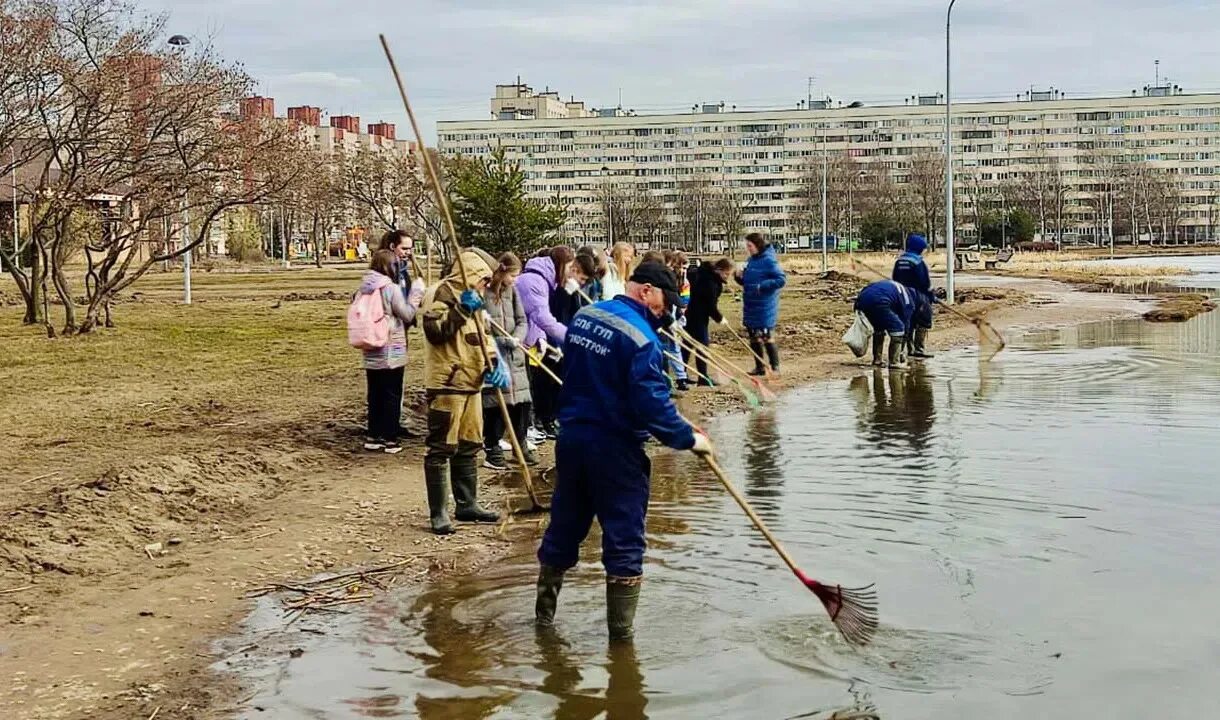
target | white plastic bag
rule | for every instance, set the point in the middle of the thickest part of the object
(858, 335)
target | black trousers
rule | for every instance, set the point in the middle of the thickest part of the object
(385, 402)
(493, 423)
(545, 391)
(697, 328)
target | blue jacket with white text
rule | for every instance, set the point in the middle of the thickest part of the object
(613, 379)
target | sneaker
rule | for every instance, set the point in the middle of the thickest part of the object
(535, 436)
(373, 444)
(531, 445)
(552, 430)
(704, 382)
(757, 372)
(391, 447)
(493, 459)
(683, 384)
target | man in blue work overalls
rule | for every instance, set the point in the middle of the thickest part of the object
(614, 396)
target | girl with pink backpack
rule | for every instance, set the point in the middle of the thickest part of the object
(377, 322)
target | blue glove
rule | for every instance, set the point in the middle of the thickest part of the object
(471, 301)
(498, 377)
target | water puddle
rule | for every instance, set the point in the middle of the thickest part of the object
(1043, 536)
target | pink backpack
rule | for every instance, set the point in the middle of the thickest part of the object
(368, 326)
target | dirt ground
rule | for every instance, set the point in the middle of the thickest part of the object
(157, 473)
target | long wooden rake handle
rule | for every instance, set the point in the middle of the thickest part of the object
(500, 329)
(749, 511)
(443, 204)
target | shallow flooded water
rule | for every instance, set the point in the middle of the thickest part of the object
(1044, 538)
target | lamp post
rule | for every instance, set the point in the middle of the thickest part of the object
(948, 162)
(180, 42)
(825, 240)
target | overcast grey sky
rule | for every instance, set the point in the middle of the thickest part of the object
(670, 55)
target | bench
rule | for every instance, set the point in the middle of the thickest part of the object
(1001, 257)
(964, 258)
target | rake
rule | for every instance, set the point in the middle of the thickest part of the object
(991, 341)
(728, 366)
(751, 397)
(763, 363)
(452, 238)
(852, 610)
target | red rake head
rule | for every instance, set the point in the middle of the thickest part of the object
(852, 610)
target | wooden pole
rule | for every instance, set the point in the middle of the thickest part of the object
(443, 205)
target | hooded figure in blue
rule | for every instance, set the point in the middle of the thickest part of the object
(889, 307)
(615, 395)
(761, 281)
(911, 270)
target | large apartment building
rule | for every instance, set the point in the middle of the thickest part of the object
(768, 160)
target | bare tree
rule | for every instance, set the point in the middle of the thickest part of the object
(385, 187)
(692, 209)
(141, 152)
(927, 181)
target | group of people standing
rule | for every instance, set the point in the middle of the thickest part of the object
(580, 345)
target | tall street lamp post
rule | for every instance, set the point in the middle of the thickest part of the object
(948, 163)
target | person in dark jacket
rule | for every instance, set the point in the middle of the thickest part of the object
(911, 270)
(614, 397)
(706, 286)
(888, 306)
(761, 281)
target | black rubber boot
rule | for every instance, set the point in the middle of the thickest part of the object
(757, 349)
(878, 346)
(550, 581)
(621, 600)
(466, 491)
(773, 356)
(438, 496)
(919, 350)
(897, 358)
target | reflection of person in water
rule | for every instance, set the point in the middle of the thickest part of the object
(896, 406)
(624, 698)
(763, 458)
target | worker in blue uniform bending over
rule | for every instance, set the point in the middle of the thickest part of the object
(911, 270)
(889, 308)
(614, 396)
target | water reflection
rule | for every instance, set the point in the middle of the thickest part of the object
(895, 406)
(624, 697)
(763, 459)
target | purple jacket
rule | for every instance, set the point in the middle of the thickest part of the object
(535, 286)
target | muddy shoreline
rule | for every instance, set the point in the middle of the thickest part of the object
(135, 636)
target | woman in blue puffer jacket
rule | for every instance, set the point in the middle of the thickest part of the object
(761, 281)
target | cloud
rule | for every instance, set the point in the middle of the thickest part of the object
(670, 55)
(318, 80)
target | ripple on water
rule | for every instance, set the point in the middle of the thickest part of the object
(907, 660)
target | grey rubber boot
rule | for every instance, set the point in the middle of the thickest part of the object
(621, 601)
(466, 491)
(550, 581)
(438, 497)
(878, 346)
(897, 359)
(921, 337)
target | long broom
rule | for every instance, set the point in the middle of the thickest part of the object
(990, 341)
(443, 204)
